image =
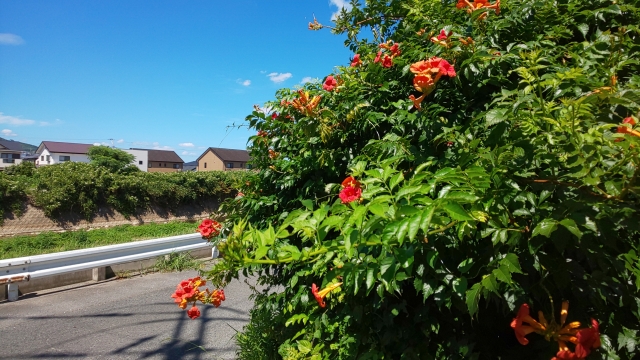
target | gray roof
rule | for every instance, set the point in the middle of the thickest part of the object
(229, 154)
(63, 147)
(162, 155)
(17, 145)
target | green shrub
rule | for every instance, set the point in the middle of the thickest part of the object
(516, 182)
(12, 195)
(81, 188)
(115, 160)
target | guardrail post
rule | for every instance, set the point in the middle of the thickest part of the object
(12, 291)
(99, 274)
(214, 252)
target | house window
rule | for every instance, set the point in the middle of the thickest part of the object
(249, 166)
(176, 166)
(229, 165)
(140, 162)
(64, 158)
(42, 157)
(48, 157)
(205, 165)
(150, 164)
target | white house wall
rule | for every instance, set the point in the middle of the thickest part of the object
(54, 158)
(141, 158)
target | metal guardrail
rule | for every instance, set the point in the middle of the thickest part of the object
(16, 270)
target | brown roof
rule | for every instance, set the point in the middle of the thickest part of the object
(229, 154)
(162, 155)
(62, 147)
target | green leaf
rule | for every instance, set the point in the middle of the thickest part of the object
(395, 180)
(261, 252)
(545, 227)
(465, 265)
(495, 116)
(401, 275)
(370, 278)
(414, 225)
(457, 212)
(386, 264)
(408, 190)
(503, 274)
(308, 204)
(378, 209)
(460, 286)
(512, 263)
(489, 282)
(473, 298)
(572, 227)
(304, 346)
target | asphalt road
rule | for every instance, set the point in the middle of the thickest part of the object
(132, 318)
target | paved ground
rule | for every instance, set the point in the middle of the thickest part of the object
(131, 318)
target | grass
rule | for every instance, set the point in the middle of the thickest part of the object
(50, 242)
(176, 262)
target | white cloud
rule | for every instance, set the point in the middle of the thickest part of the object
(187, 145)
(278, 78)
(244, 82)
(188, 153)
(340, 4)
(158, 147)
(306, 79)
(13, 120)
(7, 132)
(120, 141)
(10, 39)
(263, 71)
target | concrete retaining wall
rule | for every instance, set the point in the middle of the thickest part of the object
(34, 221)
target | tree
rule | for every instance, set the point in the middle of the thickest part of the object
(475, 161)
(115, 160)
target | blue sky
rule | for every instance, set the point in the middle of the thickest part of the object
(154, 74)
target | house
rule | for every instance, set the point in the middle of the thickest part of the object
(53, 152)
(11, 152)
(156, 160)
(224, 159)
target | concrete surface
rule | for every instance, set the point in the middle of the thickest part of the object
(132, 318)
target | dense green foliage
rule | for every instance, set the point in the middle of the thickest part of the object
(80, 188)
(115, 160)
(12, 196)
(511, 185)
(50, 242)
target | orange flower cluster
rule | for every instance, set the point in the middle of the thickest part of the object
(315, 25)
(355, 62)
(351, 190)
(209, 228)
(471, 6)
(320, 295)
(387, 60)
(585, 339)
(306, 104)
(622, 129)
(273, 154)
(428, 73)
(443, 38)
(188, 292)
(467, 41)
